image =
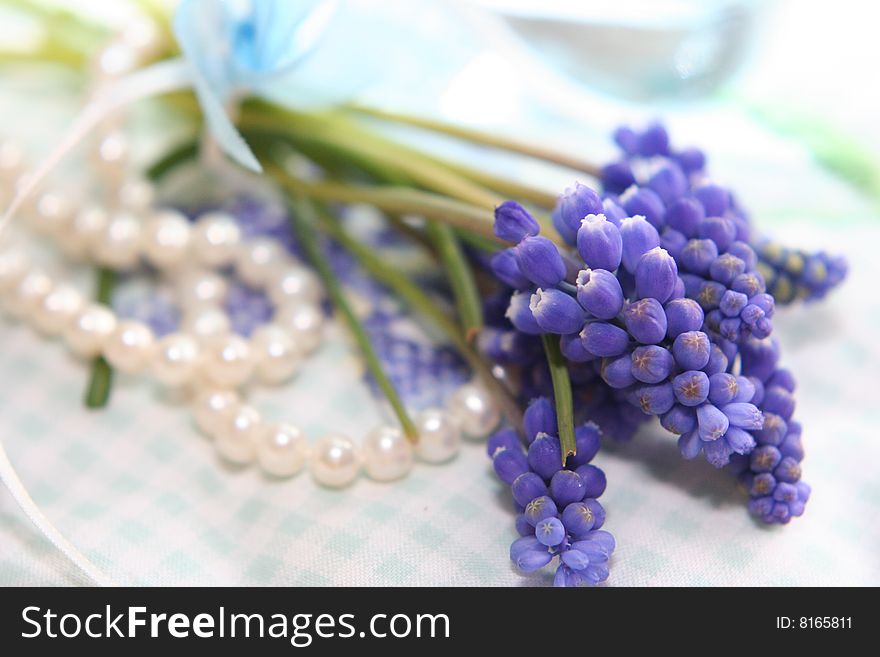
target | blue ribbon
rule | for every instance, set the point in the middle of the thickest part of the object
(235, 46)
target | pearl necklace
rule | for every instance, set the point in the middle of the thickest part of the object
(204, 356)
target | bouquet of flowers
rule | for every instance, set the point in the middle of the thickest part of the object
(645, 291)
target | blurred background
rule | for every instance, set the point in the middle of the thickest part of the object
(783, 95)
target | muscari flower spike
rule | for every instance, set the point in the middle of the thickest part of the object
(670, 316)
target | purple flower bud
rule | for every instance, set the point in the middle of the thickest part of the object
(764, 458)
(729, 328)
(780, 401)
(539, 417)
(750, 284)
(783, 378)
(726, 267)
(717, 361)
(722, 388)
(652, 399)
(613, 212)
(788, 470)
(550, 532)
(617, 177)
(758, 396)
(586, 440)
(698, 255)
(773, 431)
(599, 242)
(715, 199)
(745, 253)
(510, 464)
(527, 487)
(638, 237)
(617, 371)
(651, 364)
(744, 415)
(656, 274)
(669, 182)
(504, 266)
(531, 560)
(691, 388)
(523, 528)
(745, 390)
(545, 455)
(599, 516)
(673, 241)
(732, 303)
(683, 315)
(759, 358)
(720, 230)
(520, 315)
(765, 302)
(642, 201)
(762, 328)
(645, 320)
(578, 519)
(679, 419)
(654, 140)
(575, 204)
(504, 439)
(691, 350)
(513, 222)
(712, 423)
(717, 452)
(594, 480)
(539, 508)
(709, 296)
(684, 215)
(556, 312)
(526, 544)
(626, 139)
(539, 261)
(566, 487)
(604, 339)
(690, 445)
(761, 484)
(599, 292)
(691, 160)
(572, 347)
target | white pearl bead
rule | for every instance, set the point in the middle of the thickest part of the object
(275, 352)
(142, 35)
(166, 239)
(130, 347)
(210, 407)
(137, 195)
(439, 436)
(388, 455)
(116, 59)
(54, 214)
(112, 155)
(305, 321)
(293, 283)
(282, 449)
(58, 309)
(215, 238)
(207, 320)
(14, 264)
(89, 329)
(473, 408)
(237, 433)
(120, 245)
(25, 297)
(228, 360)
(336, 461)
(257, 259)
(89, 226)
(198, 287)
(176, 359)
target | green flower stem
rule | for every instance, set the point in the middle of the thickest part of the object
(562, 394)
(399, 283)
(461, 278)
(487, 139)
(401, 200)
(101, 377)
(303, 219)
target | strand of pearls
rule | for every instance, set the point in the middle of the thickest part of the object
(204, 355)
